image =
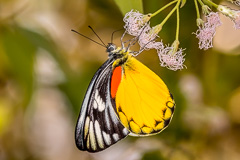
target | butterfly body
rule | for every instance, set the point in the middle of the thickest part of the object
(123, 98)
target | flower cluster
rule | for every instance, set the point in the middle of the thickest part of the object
(147, 38)
(135, 22)
(138, 25)
(207, 30)
(171, 56)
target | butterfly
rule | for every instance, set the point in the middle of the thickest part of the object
(123, 98)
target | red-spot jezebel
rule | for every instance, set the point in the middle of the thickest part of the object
(123, 98)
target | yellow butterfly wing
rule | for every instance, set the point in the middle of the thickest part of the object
(144, 104)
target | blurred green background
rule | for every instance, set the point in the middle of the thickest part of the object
(45, 70)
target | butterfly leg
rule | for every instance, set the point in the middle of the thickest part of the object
(135, 39)
(136, 53)
(122, 42)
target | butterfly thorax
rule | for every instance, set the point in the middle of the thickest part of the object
(121, 55)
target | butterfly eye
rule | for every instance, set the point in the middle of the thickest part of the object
(111, 47)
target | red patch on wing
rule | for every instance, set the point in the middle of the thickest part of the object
(116, 79)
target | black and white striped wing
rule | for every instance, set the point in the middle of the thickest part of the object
(98, 126)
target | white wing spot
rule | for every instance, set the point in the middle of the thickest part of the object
(115, 136)
(125, 131)
(99, 102)
(96, 94)
(88, 142)
(107, 138)
(95, 105)
(92, 137)
(98, 134)
(101, 106)
(86, 127)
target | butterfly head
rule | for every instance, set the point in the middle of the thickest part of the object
(110, 47)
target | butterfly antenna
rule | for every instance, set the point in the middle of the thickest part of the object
(113, 34)
(89, 38)
(97, 36)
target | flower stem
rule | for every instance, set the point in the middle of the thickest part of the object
(211, 3)
(164, 7)
(201, 3)
(169, 14)
(178, 22)
(197, 9)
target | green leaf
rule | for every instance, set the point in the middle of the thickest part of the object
(127, 5)
(20, 53)
(72, 79)
(44, 42)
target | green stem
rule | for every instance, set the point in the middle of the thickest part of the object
(164, 7)
(197, 9)
(178, 23)
(169, 14)
(201, 3)
(212, 3)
